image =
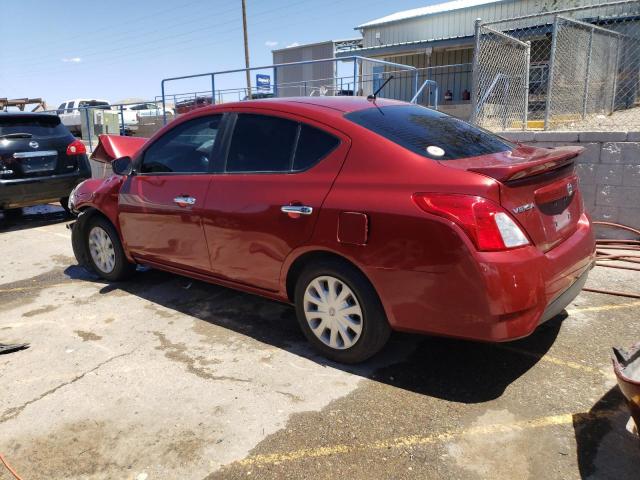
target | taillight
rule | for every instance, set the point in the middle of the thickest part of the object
(76, 148)
(488, 225)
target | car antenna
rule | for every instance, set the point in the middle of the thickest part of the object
(375, 94)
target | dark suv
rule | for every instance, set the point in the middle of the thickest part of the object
(40, 161)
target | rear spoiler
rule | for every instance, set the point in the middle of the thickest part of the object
(111, 147)
(524, 161)
(540, 161)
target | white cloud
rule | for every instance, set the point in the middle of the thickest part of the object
(72, 60)
(294, 44)
(271, 43)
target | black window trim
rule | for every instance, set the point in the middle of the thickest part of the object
(215, 151)
(231, 129)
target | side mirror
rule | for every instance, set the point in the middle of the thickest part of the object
(122, 166)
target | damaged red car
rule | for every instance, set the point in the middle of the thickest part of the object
(368, 216)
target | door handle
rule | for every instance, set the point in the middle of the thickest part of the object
(184, 201)
(299, 209)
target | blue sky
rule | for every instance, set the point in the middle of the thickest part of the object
(118, 49)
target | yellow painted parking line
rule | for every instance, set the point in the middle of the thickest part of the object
(566, 363)
(550, 359)
(416, 440)
(66, 236)
(34, 287)
(63, 235)
(603, 308)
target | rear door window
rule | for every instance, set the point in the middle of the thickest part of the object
(38, 126)
(269, 144)
(94, 104)
(262, 143)
(429, 133)
(70, 106)
(188, 148)
(313, 145)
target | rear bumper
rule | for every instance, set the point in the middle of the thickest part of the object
(565, 298)
(34, 191)
(490, 296)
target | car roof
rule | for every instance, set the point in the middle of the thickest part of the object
(86, 100)
(341, 103)
(334, 107)
(324, 109)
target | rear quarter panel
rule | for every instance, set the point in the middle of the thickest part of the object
(412, 258)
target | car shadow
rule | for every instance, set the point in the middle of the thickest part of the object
(455, 370)
(32, 217)
(605, 449)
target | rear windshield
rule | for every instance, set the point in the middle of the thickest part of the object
(94, 104)
(45, 125)
(429, 133)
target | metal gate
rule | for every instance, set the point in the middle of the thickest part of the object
(500, 79)
(576, 69)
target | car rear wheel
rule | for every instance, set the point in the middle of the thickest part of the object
(105, 253)
(340, 313)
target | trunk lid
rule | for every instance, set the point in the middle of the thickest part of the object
(538, 187)
(36, 157)
(34, 146)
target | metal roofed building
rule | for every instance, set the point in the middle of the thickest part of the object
(440, 39)
(315, 78)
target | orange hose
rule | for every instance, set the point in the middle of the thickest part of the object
(612, 244)
(11, 470)
(617, 225)
(605, 241)
(612, 292)
(617, 266)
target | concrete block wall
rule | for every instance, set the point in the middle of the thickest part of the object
(609, 171)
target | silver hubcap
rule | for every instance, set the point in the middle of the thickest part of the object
(333, 312)
(101, 248)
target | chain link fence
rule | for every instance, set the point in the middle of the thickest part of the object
(500, 80)
(582, 79)
(582, 72)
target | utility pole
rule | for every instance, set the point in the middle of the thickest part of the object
(246, 46)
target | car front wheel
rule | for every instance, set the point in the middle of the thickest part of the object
(106, 255)
(340, 313)
(12, 213)
(64, 203)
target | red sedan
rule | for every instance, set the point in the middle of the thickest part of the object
(369, 216)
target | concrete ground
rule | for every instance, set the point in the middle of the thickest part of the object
(163, 377)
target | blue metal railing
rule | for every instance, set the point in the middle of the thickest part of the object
(357, 65)
(430, 83)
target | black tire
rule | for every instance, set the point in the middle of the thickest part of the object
(375, 327)
(12, 213)
(122, 269)
(64, 202)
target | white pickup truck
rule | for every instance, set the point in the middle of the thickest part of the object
(133, 112)
(70, 112)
